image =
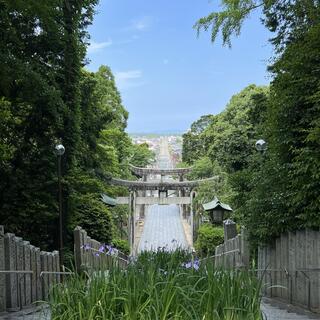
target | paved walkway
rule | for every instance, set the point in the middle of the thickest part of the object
(162, 228)
(27, 314)
(273, 310)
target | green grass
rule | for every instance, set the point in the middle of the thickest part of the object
(158, 287)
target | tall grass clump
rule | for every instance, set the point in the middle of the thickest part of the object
(159, 286)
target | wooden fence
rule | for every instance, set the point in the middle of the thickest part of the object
(233, 253)
(26, 273)
(290, 268)
(92, 255)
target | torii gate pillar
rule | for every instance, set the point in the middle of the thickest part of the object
(131, 220)
(143, 193)
(182, 193)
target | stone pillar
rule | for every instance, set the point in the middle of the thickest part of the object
(183, 206)
(57, 265)
(44, 278)
(78, 248)
(245, 248)
(186, 208)
(144, 194)
(21, 276)
(192, 218)
(38, 278)
(27, 267)
(133, 217)
(2, 275)
(230, 229)
(11, 278)
(131, 220)
(50, 269)
(34, 274)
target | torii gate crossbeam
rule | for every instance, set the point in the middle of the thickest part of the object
(159, 185)
(163, 172)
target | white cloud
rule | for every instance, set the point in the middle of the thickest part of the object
(97, 46)
(128, 79)
(142, 23)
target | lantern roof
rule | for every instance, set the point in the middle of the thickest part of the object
(108, 200)
(215, 204)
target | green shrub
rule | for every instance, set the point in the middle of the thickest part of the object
(121, 245)
(209, 237)
(93, 216)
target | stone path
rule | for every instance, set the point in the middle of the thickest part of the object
(162, 228)
(279, 311)
(27, 314)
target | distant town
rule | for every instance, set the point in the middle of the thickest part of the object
(153, 141)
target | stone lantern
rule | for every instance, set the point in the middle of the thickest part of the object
(216, 210)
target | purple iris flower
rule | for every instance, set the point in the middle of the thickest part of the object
(86, 247)
(192, 264)
(196, 264)
(102, 248)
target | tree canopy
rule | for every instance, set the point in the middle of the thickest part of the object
(47, 97)
(276, 191)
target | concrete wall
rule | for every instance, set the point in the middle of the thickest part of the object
(21, 264)
(290, 268)
(89, 256)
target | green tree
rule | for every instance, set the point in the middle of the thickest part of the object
(278, 192)
(141, 155)
(193, 143)
(288, 20)
(46, 96)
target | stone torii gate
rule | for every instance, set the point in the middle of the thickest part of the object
(162, 186)
(143, 173)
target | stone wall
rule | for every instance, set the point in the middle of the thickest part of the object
(26, 273)
(92, 255)
(234, 252)
(289, 267)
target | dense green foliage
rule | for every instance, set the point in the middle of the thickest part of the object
(47, 97)
(158, 286)
(209, 237)
(121, 245)
(277, 190)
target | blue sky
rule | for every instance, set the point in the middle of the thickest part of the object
(167, 76)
